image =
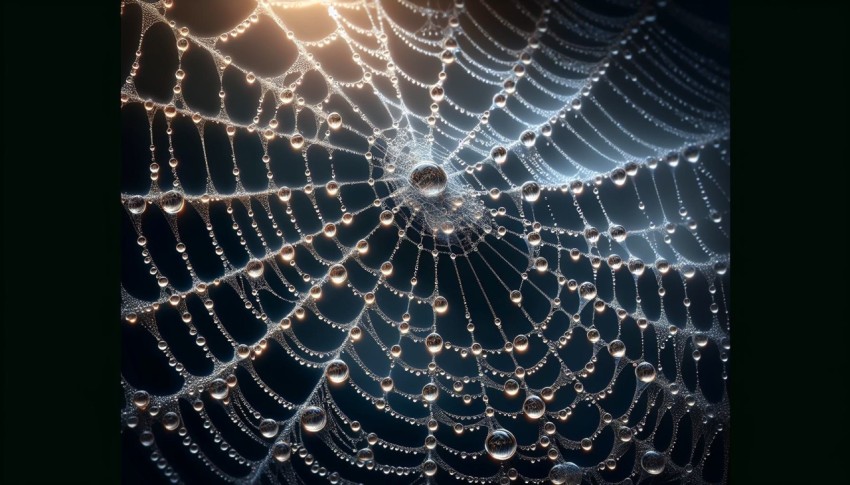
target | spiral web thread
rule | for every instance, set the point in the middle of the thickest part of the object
(602, 236)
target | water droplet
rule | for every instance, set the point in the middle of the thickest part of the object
(530, 191)
(172, 202)
(691, 154)
(499, 154)
(141, 399)
(429, 179)
(219, 389)
(136, 205)
(430, 392)
(533, 407)
(284, 194)
(521, 343)
(618, 176)
(269, 428)
(254, 268)
(645, 372)
(434, 343)
(334, 121)
(437, 93)
(441, 305)
(337, 371)
(565, 474)
(365, 454)
(617, 348)
(429, 468)
(313, 419)
(338, 274)
(500, 444)
(587, 290)
(281, 451)
(653, 462)
(618, 233)
(287, 96)
(171, 421)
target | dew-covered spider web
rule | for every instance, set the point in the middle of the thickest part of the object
(425, 241)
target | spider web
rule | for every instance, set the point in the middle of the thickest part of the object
(426, 242)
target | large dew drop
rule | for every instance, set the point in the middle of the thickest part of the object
(587, 290)
(441, 305)
(254, 269)
(218, 389)
(136, 205)
(691, 154)
(645, 372)
(499, 154)
(618, 176)
(338, 274)
(527, 138)
(437, 93)
(269, 428)
(171, 421)
(429, 468)
(530, 191)
(429, 179)
(653, 462)
(565, 474)
(313, 419)
(337, 371)
(617, 348)
(533, 407)
(141, 399)
(172, 202)
(284, 194)
(430, 392)
(334, 121)
(618, 233)
(434, 343)
(365, 455)
(500, 444)
(281, 451)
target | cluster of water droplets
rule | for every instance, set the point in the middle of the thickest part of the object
(483, 243)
